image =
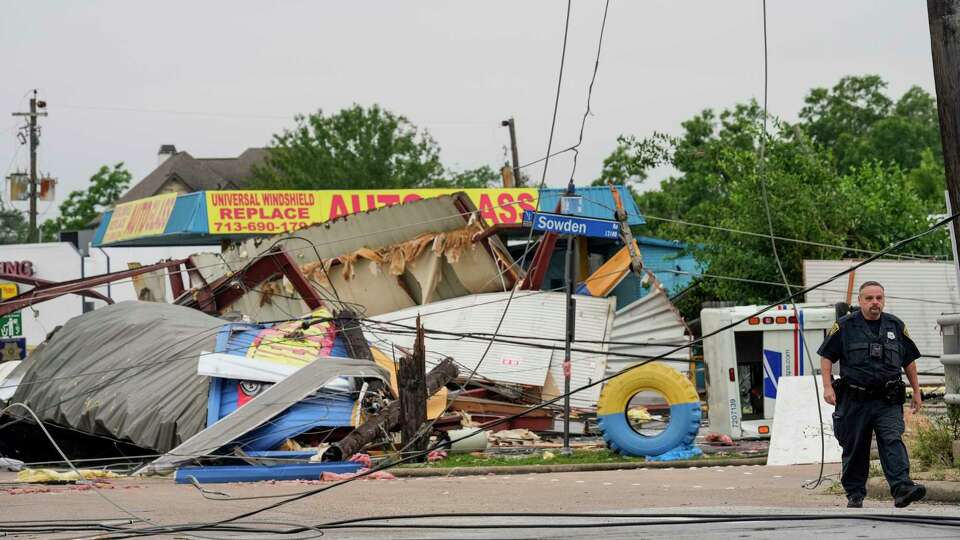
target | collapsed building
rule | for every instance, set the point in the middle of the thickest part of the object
(302, 333)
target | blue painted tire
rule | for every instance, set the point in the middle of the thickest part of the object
(675, 388)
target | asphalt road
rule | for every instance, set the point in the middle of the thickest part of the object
(774, 491)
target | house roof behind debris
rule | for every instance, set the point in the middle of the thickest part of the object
(198, 174)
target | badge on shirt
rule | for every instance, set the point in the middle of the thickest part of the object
(890, 335)
(833, 329)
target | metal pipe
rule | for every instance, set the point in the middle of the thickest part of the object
(109, 292)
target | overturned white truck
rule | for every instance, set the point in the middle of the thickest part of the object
(745, 362)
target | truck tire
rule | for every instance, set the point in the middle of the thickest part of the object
(675, 388)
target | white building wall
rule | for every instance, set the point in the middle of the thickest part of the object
(918, 292)
(60, 261)
(55, 262)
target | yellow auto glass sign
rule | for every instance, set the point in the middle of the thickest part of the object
(143, 217)
(271, 212)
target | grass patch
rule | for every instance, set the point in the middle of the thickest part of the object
(939, 474)
(835, 488)
(931, 439)
(578, 457)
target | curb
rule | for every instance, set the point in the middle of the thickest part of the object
(585, 467)
(937, 490)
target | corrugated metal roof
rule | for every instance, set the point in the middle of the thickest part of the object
(597, 202)
(531, 314)
(594, 321)
(654, 326)
(918, 292)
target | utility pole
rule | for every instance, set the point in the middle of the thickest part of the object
(412, 383)
(512, 125)
(944, 20)
(34, 138)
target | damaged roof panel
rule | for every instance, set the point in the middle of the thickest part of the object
(385, 259)
(126, 371)
(264, 407)
(650, 327)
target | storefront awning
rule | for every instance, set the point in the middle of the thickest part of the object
(210, 217)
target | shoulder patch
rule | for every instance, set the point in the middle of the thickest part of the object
(836, 326)
(905, 331)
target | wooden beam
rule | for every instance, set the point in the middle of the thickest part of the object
(389, 418)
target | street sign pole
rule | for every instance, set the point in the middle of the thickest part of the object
(568, 341)
(570, 226)
(569, 204)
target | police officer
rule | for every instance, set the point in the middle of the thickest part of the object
(872, 348)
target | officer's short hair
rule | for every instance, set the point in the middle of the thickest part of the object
(866, 284)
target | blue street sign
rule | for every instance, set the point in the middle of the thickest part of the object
(572, 225)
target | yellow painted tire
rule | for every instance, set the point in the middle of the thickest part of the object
(675, 388)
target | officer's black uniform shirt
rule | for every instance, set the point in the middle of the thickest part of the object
(849, 340)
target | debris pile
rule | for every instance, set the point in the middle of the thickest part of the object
(391, 329)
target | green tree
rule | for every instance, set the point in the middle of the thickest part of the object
(856, 122)
(868, 205)
(13, 226)
(81, 207)
(359, 148)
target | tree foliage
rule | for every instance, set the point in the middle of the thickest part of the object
(837, 177)
(856, 122)
(82, 207)
(13, 226)
(359, 148)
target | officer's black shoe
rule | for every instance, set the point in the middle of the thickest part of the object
(855, 502)
(909, 494)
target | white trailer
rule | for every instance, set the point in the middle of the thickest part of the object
(744, 363)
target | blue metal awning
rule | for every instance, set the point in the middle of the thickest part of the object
(187, 226)
(598, 202)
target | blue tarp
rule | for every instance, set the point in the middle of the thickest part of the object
(257, 473)
(679, 453)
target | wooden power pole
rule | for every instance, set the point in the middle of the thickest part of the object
(944, 19)
(34, 139)
(512, 126)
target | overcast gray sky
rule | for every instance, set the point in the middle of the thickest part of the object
(123, 77)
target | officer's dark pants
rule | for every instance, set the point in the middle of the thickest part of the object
(854, 423)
